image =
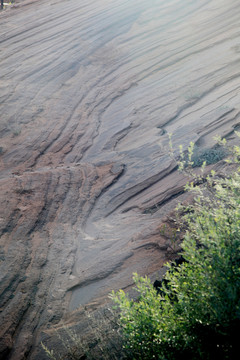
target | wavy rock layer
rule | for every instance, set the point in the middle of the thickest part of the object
(89, 92)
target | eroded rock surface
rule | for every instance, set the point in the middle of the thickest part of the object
(89, 92)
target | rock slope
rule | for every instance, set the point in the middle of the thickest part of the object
(89, 91)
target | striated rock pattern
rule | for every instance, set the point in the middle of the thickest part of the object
(89, 91)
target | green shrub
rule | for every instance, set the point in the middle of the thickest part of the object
(198, 314)
(208, 155)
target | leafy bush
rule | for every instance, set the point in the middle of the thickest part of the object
(198, 315)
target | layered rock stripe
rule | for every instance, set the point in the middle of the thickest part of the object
(89, 92)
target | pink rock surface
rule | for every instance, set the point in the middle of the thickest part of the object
(89, 92)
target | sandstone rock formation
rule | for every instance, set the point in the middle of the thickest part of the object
(89, 92)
